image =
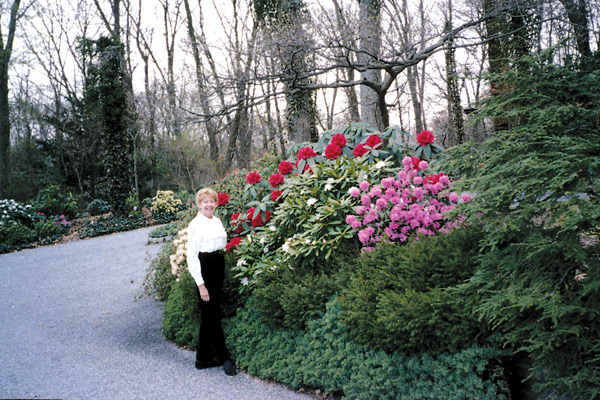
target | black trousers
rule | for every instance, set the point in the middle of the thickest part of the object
(211, 341)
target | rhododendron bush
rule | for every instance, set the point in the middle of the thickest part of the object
(403, 205)
(306, 208)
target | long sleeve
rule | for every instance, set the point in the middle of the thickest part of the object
(204, 235)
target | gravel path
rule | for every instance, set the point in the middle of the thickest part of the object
(70, 328)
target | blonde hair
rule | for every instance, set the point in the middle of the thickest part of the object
(206, 192)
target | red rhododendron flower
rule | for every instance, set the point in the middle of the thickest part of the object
(306, 152)
(256, 222)
(415, 162)
(373, 141)
(253, 178)
(433, 179)
(236, 221)
(222, 199)
(286, 167)
(339, 140)
(333, 151)
(275, 194)
(275, 180)
(236, 241)
(425, 137)
(360, 150)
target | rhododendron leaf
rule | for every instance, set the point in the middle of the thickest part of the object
(427, 151)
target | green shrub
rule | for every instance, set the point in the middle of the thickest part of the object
(47, 228)
(53, 201)
(180, 317)
(111, 224)
(13, 211)
(326, 357)
(14, 235)
(159, 279)
(98, 207)
(399, 297)
(537, 185)
(165, 205)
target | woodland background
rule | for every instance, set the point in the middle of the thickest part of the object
(110, 99)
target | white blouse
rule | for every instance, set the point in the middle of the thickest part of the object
(203, 235)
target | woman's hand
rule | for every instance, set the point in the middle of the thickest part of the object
(204, 292)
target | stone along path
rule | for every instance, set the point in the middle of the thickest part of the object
(71, 328)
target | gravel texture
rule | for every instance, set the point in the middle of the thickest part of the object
(71, 328)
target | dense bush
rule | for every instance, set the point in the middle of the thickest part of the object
(399, 297)
(159, 279)
(324, 356)
(290, 298)
(537, 188)
(98, 207)
(111, 224)
(180, 317)
(54, 201)
(165, 206)
(14, 236)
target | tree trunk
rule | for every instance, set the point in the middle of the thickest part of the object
(370, 47)
(578, 17)
(5, 54)
(455, 111)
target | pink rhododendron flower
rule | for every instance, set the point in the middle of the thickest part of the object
(253, 178)
(364, 186)
(423, 165)
(285, 167)
(361, 210)
(339, 140)
(381, 204)
(364, 235)
(275, 194)
(417, 180)
(275, 180)
(375, 191)
(453, 197)
(425, 137)
(353, 221)
(466, 197)
(332, 151)
(354, 191)
(373, 141)
(360, 150)
(365, 199)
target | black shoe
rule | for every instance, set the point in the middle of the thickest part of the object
(229, 368)
(206, 364)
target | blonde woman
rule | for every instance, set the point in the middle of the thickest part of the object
(206, 262)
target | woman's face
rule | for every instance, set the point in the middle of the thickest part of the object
(207, 206)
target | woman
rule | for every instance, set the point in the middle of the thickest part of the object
(206, 263)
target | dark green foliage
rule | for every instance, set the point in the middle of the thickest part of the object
(47, 228)
(111, 224)
(290, 298)
(537, 189)
(14, 236)
(53, 200)
(181, 314)
(98, 207)
(399, 298)
(159, 279)
(106, 102)
(324, 356)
